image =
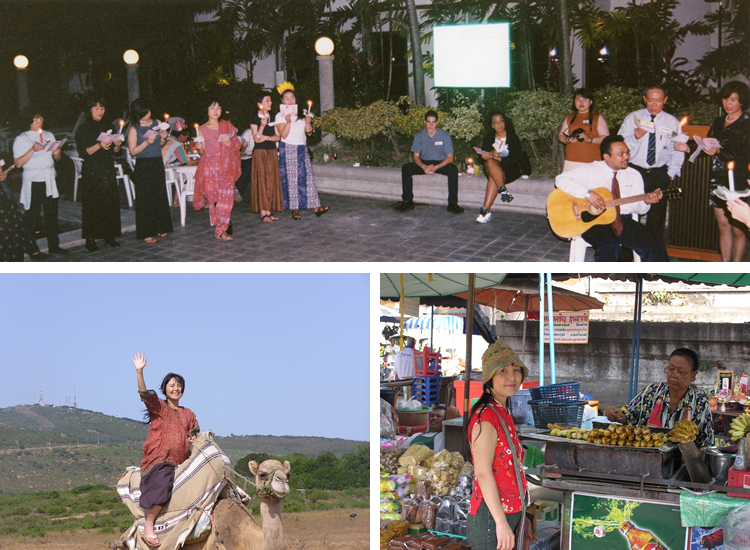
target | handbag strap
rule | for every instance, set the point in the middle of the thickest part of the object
(522, 524)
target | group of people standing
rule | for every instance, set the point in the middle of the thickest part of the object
(643, 159)
(281, 176)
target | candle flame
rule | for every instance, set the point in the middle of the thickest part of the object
(730, 165)
(195, 125)
(309, 102)
(683, 120)
(166, 116)
(470, 160)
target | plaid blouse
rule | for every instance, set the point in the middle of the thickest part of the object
(651, 408)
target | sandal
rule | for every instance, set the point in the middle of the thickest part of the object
(151, 541)
(322, 210)
(161, 235)
(267, 218)
(224, 237)
(295, 215)
(149, 240)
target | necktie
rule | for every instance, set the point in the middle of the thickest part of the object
(617, 224)
(651, 156)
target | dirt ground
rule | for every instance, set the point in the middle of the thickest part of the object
(329, 529)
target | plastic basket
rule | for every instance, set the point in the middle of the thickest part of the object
(566, 392)
(735, 539)
(567, 414)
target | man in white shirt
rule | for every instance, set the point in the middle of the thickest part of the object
(614, 173)
(647, 134)
(404, 363)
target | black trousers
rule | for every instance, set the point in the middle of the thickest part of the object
(39, 201)
(634, 236)
(653, 179)
(408, 171)
(247, 170)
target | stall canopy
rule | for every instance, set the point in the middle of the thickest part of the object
(391, 315)
(433, 284)
(437, 322)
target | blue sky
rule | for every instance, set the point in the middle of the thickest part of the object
(277, 354)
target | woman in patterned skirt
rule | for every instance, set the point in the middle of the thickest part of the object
(218, 168)
(297, 180)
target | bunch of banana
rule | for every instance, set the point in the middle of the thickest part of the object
(684, 431)
(740, 426)
(622, 436)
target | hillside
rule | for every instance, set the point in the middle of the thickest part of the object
(57, 448)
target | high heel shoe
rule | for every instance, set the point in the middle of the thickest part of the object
(91, 245)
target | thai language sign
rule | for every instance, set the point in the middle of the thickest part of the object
(570, 327)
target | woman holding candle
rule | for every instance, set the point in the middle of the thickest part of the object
(297, 181)
(218, 168)
(265, 183)
(152, 217)
(582, 131)
(504, 162)
(100, 197)
(39, 189)
(733, 133)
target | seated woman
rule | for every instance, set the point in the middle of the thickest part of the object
(503, 162)
(661, 405)
(582, 131)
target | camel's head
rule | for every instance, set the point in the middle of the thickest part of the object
(271, 477)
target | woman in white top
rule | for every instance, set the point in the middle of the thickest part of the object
(39, 188)
(297, 180)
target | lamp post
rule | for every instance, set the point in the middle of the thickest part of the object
(131, 61)
(324, 49)
(21, 62)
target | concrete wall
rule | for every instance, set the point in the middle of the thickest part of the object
(530, 195)
(603, 365)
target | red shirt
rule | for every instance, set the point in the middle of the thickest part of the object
(168, 433)
(502, 463)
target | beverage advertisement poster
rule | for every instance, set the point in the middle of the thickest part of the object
(619, 523)
(703, 538)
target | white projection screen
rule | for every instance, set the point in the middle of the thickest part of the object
(472, 56)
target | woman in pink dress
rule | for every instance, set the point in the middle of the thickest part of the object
(219, 168)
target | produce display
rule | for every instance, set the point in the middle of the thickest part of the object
(740, 426)
(684, 431)
(614, 435)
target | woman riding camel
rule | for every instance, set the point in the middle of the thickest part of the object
(171, 432)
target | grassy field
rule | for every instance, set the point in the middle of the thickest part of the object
(98, 508)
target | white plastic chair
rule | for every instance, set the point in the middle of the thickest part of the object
(171, 178)
(578, 248)
(78, 163)
(127, 182)
(185, 186)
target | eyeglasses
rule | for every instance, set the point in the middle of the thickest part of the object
(674, 372)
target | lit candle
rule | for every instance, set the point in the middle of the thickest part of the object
(122, 125)
(683, 120)
(730, 169)
(309, 106)
(166, 117)
(41, 139)
(197, 131)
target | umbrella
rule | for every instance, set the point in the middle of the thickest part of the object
(433, 284)
(732, 279)
(438, 322)
(523, 295)
(391, 315)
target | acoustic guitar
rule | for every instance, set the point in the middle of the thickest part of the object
(570, 216)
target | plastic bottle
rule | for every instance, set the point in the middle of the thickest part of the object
(740, 462)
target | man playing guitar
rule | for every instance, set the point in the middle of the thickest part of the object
(614, 174)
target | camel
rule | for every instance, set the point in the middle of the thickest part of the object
(234, 526)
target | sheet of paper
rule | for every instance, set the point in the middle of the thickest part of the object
(480, 152)
(52, 145)
(224, 137)
(151, 135)
(645, 124)
(288, 110)
(725, 194)
(708, 143)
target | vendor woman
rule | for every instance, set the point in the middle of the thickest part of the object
(660, 405)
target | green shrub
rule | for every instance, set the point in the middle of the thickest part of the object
(615, 103)
(701, 113)
(318, 494)
(410, 119)
(537, 115)
(465, 122)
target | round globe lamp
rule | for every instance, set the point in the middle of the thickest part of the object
(131, 57)
(324, 46)
(21, 61)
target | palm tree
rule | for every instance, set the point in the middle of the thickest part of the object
(416, 49)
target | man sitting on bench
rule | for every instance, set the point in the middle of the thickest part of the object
(433, 153)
